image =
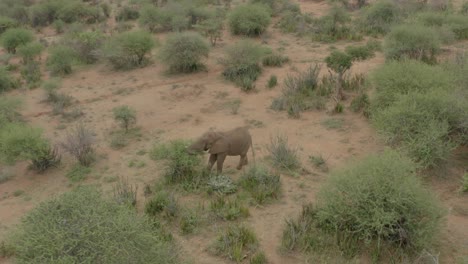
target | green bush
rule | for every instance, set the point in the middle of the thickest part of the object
(454, 26)
(422, 125)
(60, 60)
(181, 167)
(360, 53)
(464, 8)
(273, 81)
(127, 13)
(30, 51)
(14, 37)
(78, 173)
(301, 93)
(162, 202)
(125, 115)
(82, 226)
(283, 156)
(76, 11)
(379, 202)
(86, 45)
(44, 13)
(31, 72)
(228, 209)
(6, 81)
(241, 64)
(334, 26)
(236, 242)
(21, 142)
(211, 28)
(464, 187)
(412, 41)
(275, 60)
(183, 52)
(6, 23)
(9, 110)
(379, 17)
(129, 49)
(400, 78)
(295, 22)
(150, 17)
(262, 184)
(249, 19)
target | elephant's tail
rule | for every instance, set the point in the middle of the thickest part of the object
(253, 152)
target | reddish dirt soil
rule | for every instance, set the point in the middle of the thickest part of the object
(185, 106)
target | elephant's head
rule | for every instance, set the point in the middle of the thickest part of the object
(212, 141)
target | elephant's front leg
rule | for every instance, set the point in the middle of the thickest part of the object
(211, 161)
(220, 161)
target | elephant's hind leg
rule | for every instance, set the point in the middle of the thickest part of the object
(220, 161)
(243, 161)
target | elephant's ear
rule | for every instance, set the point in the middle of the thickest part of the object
(219, 146)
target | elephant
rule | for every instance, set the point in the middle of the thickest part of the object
(235, 142)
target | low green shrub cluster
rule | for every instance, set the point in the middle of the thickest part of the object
(379, 17)
(420, 109)
(302, 92)
(262, 184)
(47, 12)
(445, 24)
(181, 167)
(294, 21)
(236, 242)
(61, 60)
(363, 52)
(183, 52)
(128, 50)
(274, 60)
(413, 42)
(175, 16)
(228, 209)
(283, 156)
(82, 226)
(249, 19)
(334, 26)
(377, 204)
(242, 63)
(14, 37)
(19, 141)
(7, 82)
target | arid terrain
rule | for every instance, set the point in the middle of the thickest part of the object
(183, 106)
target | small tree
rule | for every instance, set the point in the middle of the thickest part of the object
(249, 19)
(412, 41)
(339, 62)
(30, 51)
(79, 143)
(6, 23)
(14, 37)
(6, 81)
(86, 45)
(150, 17)
(60, 60)
(211, 28)
(184, 51)
(242, 63)
(128, 50)
(125, 115)
(21, 142)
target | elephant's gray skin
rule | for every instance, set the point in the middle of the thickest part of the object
(235, 142)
